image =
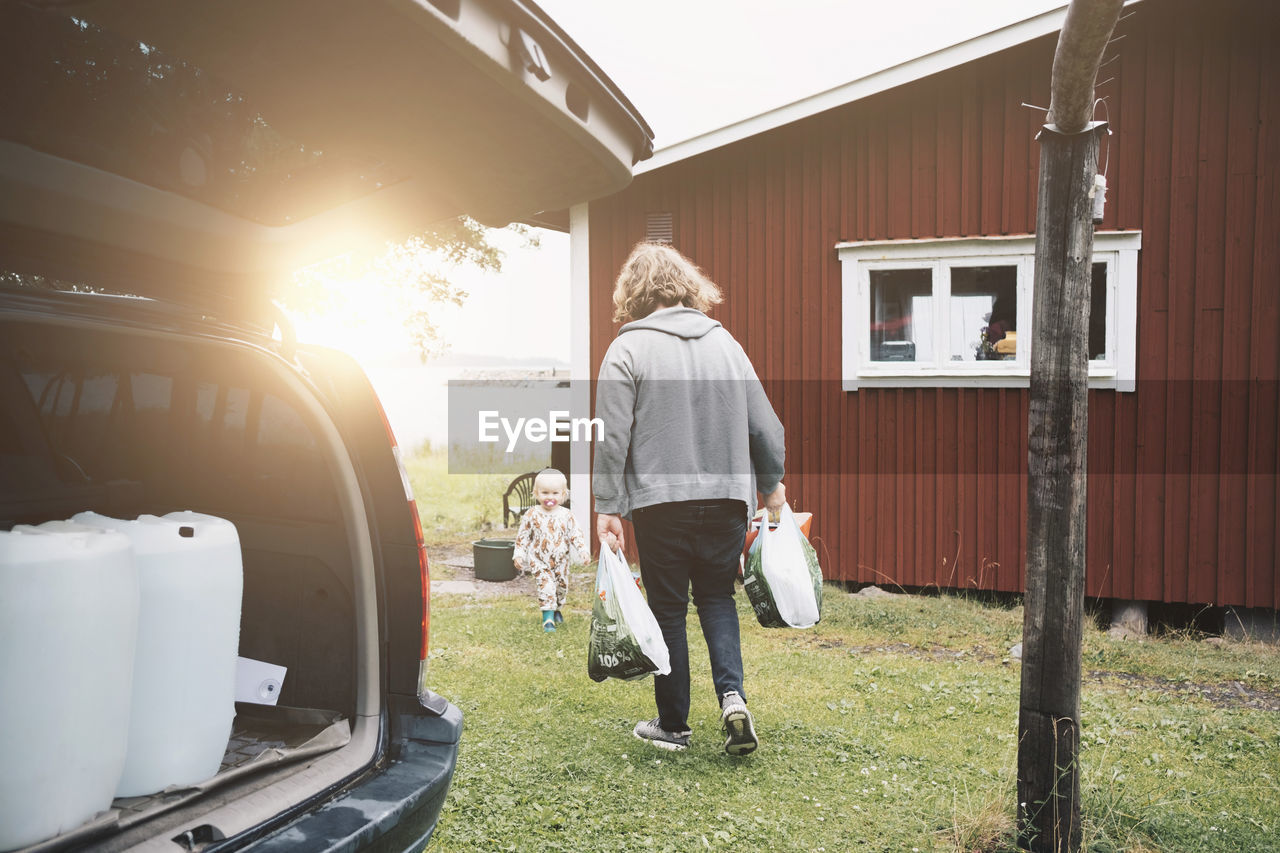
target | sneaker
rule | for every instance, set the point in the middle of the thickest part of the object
(738, 725)
(653, 732)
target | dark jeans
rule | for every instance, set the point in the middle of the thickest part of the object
(698, 543)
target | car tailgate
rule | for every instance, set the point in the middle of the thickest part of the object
(344, 124)
(394, 807)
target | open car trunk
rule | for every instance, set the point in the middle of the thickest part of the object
(197, 154)
(123, 407)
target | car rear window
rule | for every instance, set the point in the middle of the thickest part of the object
(194, 426)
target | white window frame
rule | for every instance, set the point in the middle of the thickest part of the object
(1116, 370)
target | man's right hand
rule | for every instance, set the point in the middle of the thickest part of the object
(776, 500)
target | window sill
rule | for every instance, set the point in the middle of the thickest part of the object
(1100, 378)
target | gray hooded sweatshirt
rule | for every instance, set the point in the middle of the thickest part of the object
(685, 417)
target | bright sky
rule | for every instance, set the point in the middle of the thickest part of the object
(689, 66)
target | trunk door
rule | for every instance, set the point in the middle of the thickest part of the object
(197, 146)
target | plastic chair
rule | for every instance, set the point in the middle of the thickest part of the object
(519, 499)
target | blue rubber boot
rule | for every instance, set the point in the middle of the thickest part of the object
(548, 621)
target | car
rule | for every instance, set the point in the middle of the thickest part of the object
(162, 164)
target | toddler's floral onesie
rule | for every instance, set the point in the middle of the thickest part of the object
(543, 547)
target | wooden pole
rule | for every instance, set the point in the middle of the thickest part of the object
(1049, 713)
(1048, 721)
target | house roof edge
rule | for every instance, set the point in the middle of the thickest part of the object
(943, 59)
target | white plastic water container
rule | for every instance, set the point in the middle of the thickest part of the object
(184, 674)
(68, 617)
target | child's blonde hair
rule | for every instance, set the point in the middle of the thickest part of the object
(550, 478)
(655, 275)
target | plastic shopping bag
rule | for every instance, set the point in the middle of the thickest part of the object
(625, 639)
(803, 519)
(782, 577)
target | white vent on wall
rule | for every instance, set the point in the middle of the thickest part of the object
(658, 228)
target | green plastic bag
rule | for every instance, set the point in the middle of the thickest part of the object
(625, 641)
(782, 577)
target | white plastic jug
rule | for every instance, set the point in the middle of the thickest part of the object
(68, 617)
(191, 579)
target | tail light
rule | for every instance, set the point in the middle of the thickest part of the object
(422, 554)
(426, 582)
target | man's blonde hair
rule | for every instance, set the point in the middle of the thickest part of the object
(654, 276)
(550, 478)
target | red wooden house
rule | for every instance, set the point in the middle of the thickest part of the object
(867, 236)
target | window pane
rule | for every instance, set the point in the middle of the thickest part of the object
(902, 315)
(1098, 313)
(89, 434)
(152, 392)
(984, 313)
(235, 415)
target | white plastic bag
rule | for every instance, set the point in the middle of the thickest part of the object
(625, 641)
(785, 563)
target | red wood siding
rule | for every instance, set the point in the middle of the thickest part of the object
(924, 487)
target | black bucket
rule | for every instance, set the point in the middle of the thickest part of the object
(493, 559)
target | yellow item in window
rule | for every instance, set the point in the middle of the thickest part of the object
(1008, 345)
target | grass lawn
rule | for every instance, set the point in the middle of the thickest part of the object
(454, 507)
(889, 726)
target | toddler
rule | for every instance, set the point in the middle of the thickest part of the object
(548, 534)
